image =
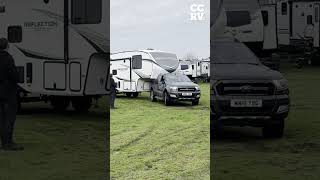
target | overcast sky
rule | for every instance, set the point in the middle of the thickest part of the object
(163, 25)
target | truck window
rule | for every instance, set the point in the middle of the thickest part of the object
(238, 18)
(86, 12)
(284, 8)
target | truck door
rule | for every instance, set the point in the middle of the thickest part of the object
(316, 25)
(270, 27)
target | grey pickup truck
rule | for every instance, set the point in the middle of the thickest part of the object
(174, 87)
(244, 92)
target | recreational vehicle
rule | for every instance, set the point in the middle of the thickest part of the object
(246, 21)
(196, 69)
(60, 49)
(133, 80)
(298, 21)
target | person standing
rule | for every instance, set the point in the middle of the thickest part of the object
(8, 97)
(113, 92)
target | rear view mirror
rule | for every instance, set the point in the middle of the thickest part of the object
(114, 72)
(137, 62)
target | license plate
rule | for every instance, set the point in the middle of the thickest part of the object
(186, 94)
(246, 103)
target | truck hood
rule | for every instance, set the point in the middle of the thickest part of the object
(183, 84)
(244, 72)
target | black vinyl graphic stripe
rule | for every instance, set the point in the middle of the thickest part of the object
(42, 57)
(31, 55)
(94, 45)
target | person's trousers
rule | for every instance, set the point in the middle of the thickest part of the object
(8, 111)
(112, 99)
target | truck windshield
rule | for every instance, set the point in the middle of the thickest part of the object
(166, 60)
(232, 53)
(177, 78)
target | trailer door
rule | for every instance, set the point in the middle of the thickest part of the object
(270, 27)
(316, 25)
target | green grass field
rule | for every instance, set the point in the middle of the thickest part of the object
(57, 146)
(152, 141)
(243, 154)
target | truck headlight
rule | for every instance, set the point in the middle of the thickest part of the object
(173, 89)
(282, 86)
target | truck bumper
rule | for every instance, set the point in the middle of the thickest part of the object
(273, 109)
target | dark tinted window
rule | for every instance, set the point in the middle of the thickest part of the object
(265, 17)
(309, 19)
(240, 53)
(176, 78)
(238, 18)
(184, 66)
(15, 34)
(86, 12)
(284, 8)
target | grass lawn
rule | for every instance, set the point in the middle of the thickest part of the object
(152, 141)
(57, 146)
(243, 154)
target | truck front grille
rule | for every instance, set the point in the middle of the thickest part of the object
(261, 89)
(186, 89)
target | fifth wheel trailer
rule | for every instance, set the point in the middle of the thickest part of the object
(60, 49)
(132, 81)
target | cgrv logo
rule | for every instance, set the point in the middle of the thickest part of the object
(197, 12)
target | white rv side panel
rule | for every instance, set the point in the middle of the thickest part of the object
(283, 18)
(270, 27)
(55, 76)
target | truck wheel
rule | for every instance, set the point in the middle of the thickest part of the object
(129, 95)
(167, 100)
(195, 102)
(274, 131)
(82, 104)
(152, 98)
(135, 94)
(60, 104)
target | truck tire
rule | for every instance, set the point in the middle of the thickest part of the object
(195, 102)
(60, 104)
(167, 100)
(135, 94)
(82, 104)
(274, 130)
(152, 97)
(129, 95)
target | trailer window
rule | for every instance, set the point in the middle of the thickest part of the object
(284, 8)
(316, 16)
(309, 19)
(238, 18)
(15, 34)
(86, 12)
(265, 17)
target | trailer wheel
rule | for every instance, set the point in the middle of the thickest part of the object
(167, 100)
(152, 98)
(129, 95)
(82, 104)
(60, 104)
(135, 94)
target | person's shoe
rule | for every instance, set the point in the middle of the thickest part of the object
(12, 147)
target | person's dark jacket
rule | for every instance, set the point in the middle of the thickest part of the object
(113, 85)
(8, 76)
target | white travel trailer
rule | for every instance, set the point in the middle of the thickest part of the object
(132, 81)
(298, 21)
(195, 69)
(249, 23)
(60, 49)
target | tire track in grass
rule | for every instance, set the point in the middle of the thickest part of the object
(134, 140)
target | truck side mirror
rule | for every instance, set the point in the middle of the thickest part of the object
(137, 62)
(114, 72)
